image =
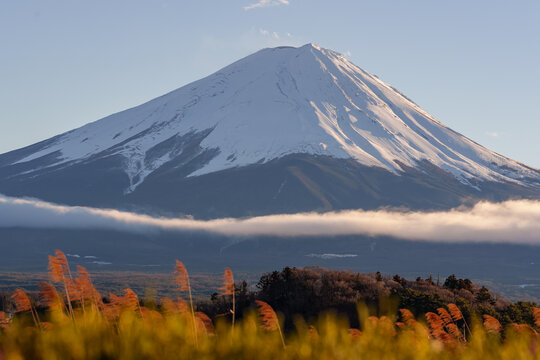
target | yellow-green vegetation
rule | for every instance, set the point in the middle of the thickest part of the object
(159, 335)
(88, 326)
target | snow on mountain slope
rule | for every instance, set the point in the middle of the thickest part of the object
(284, 101)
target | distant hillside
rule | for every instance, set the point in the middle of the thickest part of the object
(311, 291)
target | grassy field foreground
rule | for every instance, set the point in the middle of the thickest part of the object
(73, 321)
(153, 335)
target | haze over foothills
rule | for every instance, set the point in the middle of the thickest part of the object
(473, 65)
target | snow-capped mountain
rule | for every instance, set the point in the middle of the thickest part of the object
(275, 105)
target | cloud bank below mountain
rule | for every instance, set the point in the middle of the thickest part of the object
(516, 221)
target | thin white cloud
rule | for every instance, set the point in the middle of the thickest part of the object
(492, 133)
(516, 221)
(274, 35)
(266, 3)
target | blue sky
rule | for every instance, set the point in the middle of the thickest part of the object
(475, 65)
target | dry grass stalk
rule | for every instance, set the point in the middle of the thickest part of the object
(446, 338)
(128, 302)
(132, 300)
(171, 307)
(454, 331)
(436, 325)
(181, 276)
(151, 316)
(86, 287)
(445, 316)
(62, 259)
(387, 325)
(524, 329)
(434, 320)
(407, 317)
(60, 272)
(204, 323)
(491, 324)
(181, 305)
(110, 311)
(23, 303)
(49, 297)
(228, 288)
(4, 320)
(373, 320)
(269, 318)
(55, 269)
(457, 315)
(228, 283)
(182, 280)
(168, 307)
(536, 313)
(73, 289)
(455, 312)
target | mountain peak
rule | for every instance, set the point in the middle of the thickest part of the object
(271, 104)
(312, 45)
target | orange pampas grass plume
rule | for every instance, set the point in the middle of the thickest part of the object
(168, 307)
(407, 317)
(62, 259)
(21, 300)
(85, 288)
(445, 316)
(204, 323)
(454, 331)
(129, 301)
(228, 283)
(55, 269)
(269, 318)
(4, 320)
(151, 316)
(181, 276)
(435, 322)
(23, 303)
(491, 324)
(58, 269)
(524, 329)
(436, 325)
(228, 289)
(536, 313)
(171, 307)
(457, 315)
(50, 297)
(455, 312)
(182, 281)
